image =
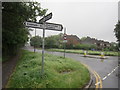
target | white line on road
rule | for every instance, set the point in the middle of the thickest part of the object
(107, 75)
(97, 83)
(110, 73)
(104, 78)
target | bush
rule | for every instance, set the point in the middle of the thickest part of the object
(69, 46)
(79, 46)
(51, 46)
(61, 46)
(14, 33)
(106, 49)
(52, 41)
(85, 47)
(36, 41)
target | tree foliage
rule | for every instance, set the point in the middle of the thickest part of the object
(14, 14)
(85, 46)
(117, 32)
(36, 41)
(52, 41)
(83, 38)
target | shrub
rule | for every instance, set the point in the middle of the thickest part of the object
(85, 47)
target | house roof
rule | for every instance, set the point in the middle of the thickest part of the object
(74, 36)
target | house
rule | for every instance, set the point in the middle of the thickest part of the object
(99, 43)
(89, 40)
(73, 39)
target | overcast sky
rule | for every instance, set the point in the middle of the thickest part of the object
(83, 18)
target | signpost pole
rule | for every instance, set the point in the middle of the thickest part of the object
(34, 42)
(64, 40)
(43, 49)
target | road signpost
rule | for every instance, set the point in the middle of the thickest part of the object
(48, 26)
(45, 18)
(44, 25)
(43, 46)
(65, 37)
(65, 40)
(34, 25)
(34, 43)
(53, 26)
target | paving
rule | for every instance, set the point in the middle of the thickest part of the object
(7, 69)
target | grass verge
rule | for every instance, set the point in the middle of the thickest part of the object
(58, 72)
(89, 52)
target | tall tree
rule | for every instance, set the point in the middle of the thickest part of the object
(36, 41)
(14, 33)
(53, 41)
(117, 32)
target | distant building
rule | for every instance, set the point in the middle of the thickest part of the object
(89, 40)
(99, 43)
(73, 39)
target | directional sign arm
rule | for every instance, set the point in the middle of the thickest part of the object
(48, 26)
(34, 25)
(53, 26)
(45, 18)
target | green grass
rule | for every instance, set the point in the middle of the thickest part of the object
(27, 74)
(107, 53)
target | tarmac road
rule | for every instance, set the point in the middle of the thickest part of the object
(107, 69)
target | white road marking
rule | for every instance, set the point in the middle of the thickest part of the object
(97, 83)
(112, 72)
(104, 78)
(107, 75)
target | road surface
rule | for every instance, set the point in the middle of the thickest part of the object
(107, 69)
